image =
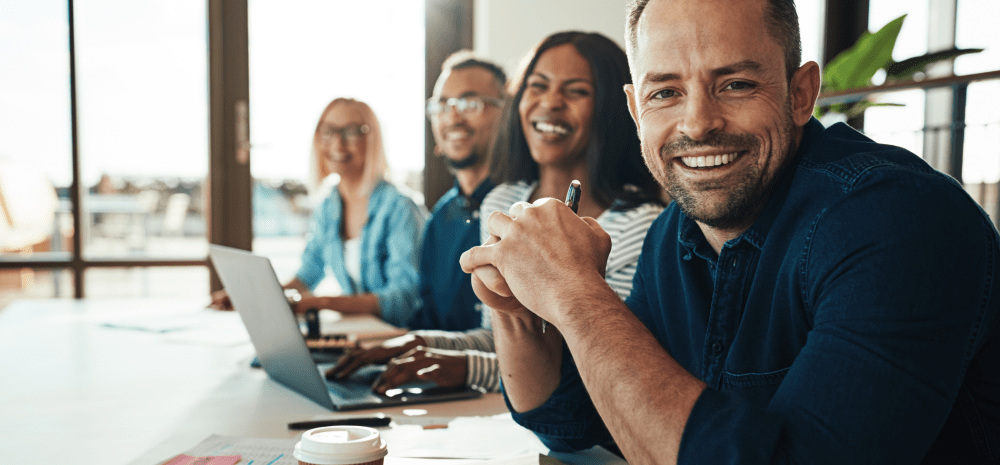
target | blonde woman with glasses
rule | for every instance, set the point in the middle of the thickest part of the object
(366, 233)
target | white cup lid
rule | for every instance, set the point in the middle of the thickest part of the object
(340, 445)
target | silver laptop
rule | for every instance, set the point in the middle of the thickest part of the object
(274, 330)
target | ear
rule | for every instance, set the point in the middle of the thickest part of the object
(804, 89)
(632, 107)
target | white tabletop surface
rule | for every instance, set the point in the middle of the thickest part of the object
(73, 391)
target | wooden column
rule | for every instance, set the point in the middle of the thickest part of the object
(845, 21)
(230, 213)
(449, 29)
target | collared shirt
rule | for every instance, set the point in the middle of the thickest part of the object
(446, 291)
(390, 240)
(856, 321)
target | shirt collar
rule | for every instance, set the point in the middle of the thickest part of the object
(691, 237)
(473, 201)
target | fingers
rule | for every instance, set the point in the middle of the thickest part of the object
(347, 364)
(478, 261)
(492, 299)
(444, 368)
(490, 277)
(518, 208)
(358, 358)
(220, 301)
(398, 371)
(602, 235)
(428, 373)
(498, 223)
(604, 249)
(476, 257)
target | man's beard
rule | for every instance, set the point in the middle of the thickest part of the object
(745, 199)
(468, 162)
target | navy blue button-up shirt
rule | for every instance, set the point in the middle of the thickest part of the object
(856, 321)
(446, 291)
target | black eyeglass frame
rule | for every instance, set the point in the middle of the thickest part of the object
(468, 105)
(349, 133)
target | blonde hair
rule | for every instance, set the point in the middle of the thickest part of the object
(376, 165)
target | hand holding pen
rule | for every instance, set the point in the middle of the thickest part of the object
(527, 245)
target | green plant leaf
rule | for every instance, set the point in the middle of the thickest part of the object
(854, 67)
(907, 68)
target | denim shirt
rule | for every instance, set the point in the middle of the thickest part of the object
(448, 302)
(390, 241)
(856, 321)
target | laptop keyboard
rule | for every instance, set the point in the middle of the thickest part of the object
(357, 385)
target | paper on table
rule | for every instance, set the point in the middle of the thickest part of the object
(162, 323)
(257, 451)
(201, 327)
(184, 459)
(266, 451)
(465, 437)
(212, 336)
(497, 437)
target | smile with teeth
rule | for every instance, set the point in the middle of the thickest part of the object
(709, 161)
(549, 128)
(457, 134)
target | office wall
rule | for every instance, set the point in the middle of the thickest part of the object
(506, 29)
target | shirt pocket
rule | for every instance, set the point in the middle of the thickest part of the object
(758, 386)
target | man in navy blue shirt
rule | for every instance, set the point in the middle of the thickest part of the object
(464, 113)
(810, 297)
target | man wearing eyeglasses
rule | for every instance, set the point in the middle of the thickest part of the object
(464, 113)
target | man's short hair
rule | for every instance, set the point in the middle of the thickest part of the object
(782, 24)
(464, 59)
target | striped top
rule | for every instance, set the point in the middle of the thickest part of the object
(627, 229)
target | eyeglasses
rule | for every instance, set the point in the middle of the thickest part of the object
(470, 106)
(349, 134)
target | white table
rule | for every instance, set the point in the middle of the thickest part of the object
(75, 392)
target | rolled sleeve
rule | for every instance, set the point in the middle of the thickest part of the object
(482, 370)
(480, 339)
(568, 420)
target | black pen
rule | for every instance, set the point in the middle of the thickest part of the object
(373, 422)
(573, 202)
(573, 195)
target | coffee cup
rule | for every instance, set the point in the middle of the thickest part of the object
(341, 445)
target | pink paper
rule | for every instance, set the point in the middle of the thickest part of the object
(184, 459)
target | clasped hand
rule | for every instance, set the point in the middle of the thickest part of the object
(538, 256)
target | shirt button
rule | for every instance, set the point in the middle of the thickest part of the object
(733, 266)
(717, 348)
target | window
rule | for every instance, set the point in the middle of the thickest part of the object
(974, 29)
(903, 125)
(143, 128)
(304, 54)
(140, 103)
(35, 161)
